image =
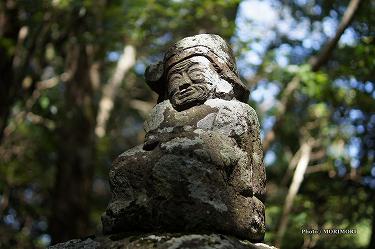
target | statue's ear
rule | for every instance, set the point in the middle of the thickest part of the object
(154, 77)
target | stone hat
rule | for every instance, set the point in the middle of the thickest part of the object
(211, 46)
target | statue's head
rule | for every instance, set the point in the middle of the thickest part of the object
(195, 69)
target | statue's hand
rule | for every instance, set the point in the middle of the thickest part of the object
(151, 142)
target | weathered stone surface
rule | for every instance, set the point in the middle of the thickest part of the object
(160, 241)
(201, 165)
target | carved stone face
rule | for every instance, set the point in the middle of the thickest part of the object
(192, 81)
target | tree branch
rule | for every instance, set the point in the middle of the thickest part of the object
(323, 57)
(126, 61)
(293, 190)
(316, 63)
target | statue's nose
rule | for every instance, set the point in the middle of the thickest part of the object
(185, 82)
(186, 79)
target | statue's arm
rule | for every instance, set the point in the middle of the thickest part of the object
(153, 122)
(255, 150)
(240, 122)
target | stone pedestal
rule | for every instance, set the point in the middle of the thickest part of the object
(160, 241)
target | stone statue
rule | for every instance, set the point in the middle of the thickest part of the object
(200, 168)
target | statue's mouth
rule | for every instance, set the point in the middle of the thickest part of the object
(186, 96)
(185, 88)
(186, 91)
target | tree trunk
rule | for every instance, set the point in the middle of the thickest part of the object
(8, 30)
(371, 244)
(72, 190)
(6, 94)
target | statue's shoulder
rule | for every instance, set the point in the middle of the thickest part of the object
(156, 116)
(232, 107)
(233, 116)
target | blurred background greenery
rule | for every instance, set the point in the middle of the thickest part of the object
(73, 97)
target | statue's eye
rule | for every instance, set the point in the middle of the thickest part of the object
(196, 75)
(174, 78)
(173, 83)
